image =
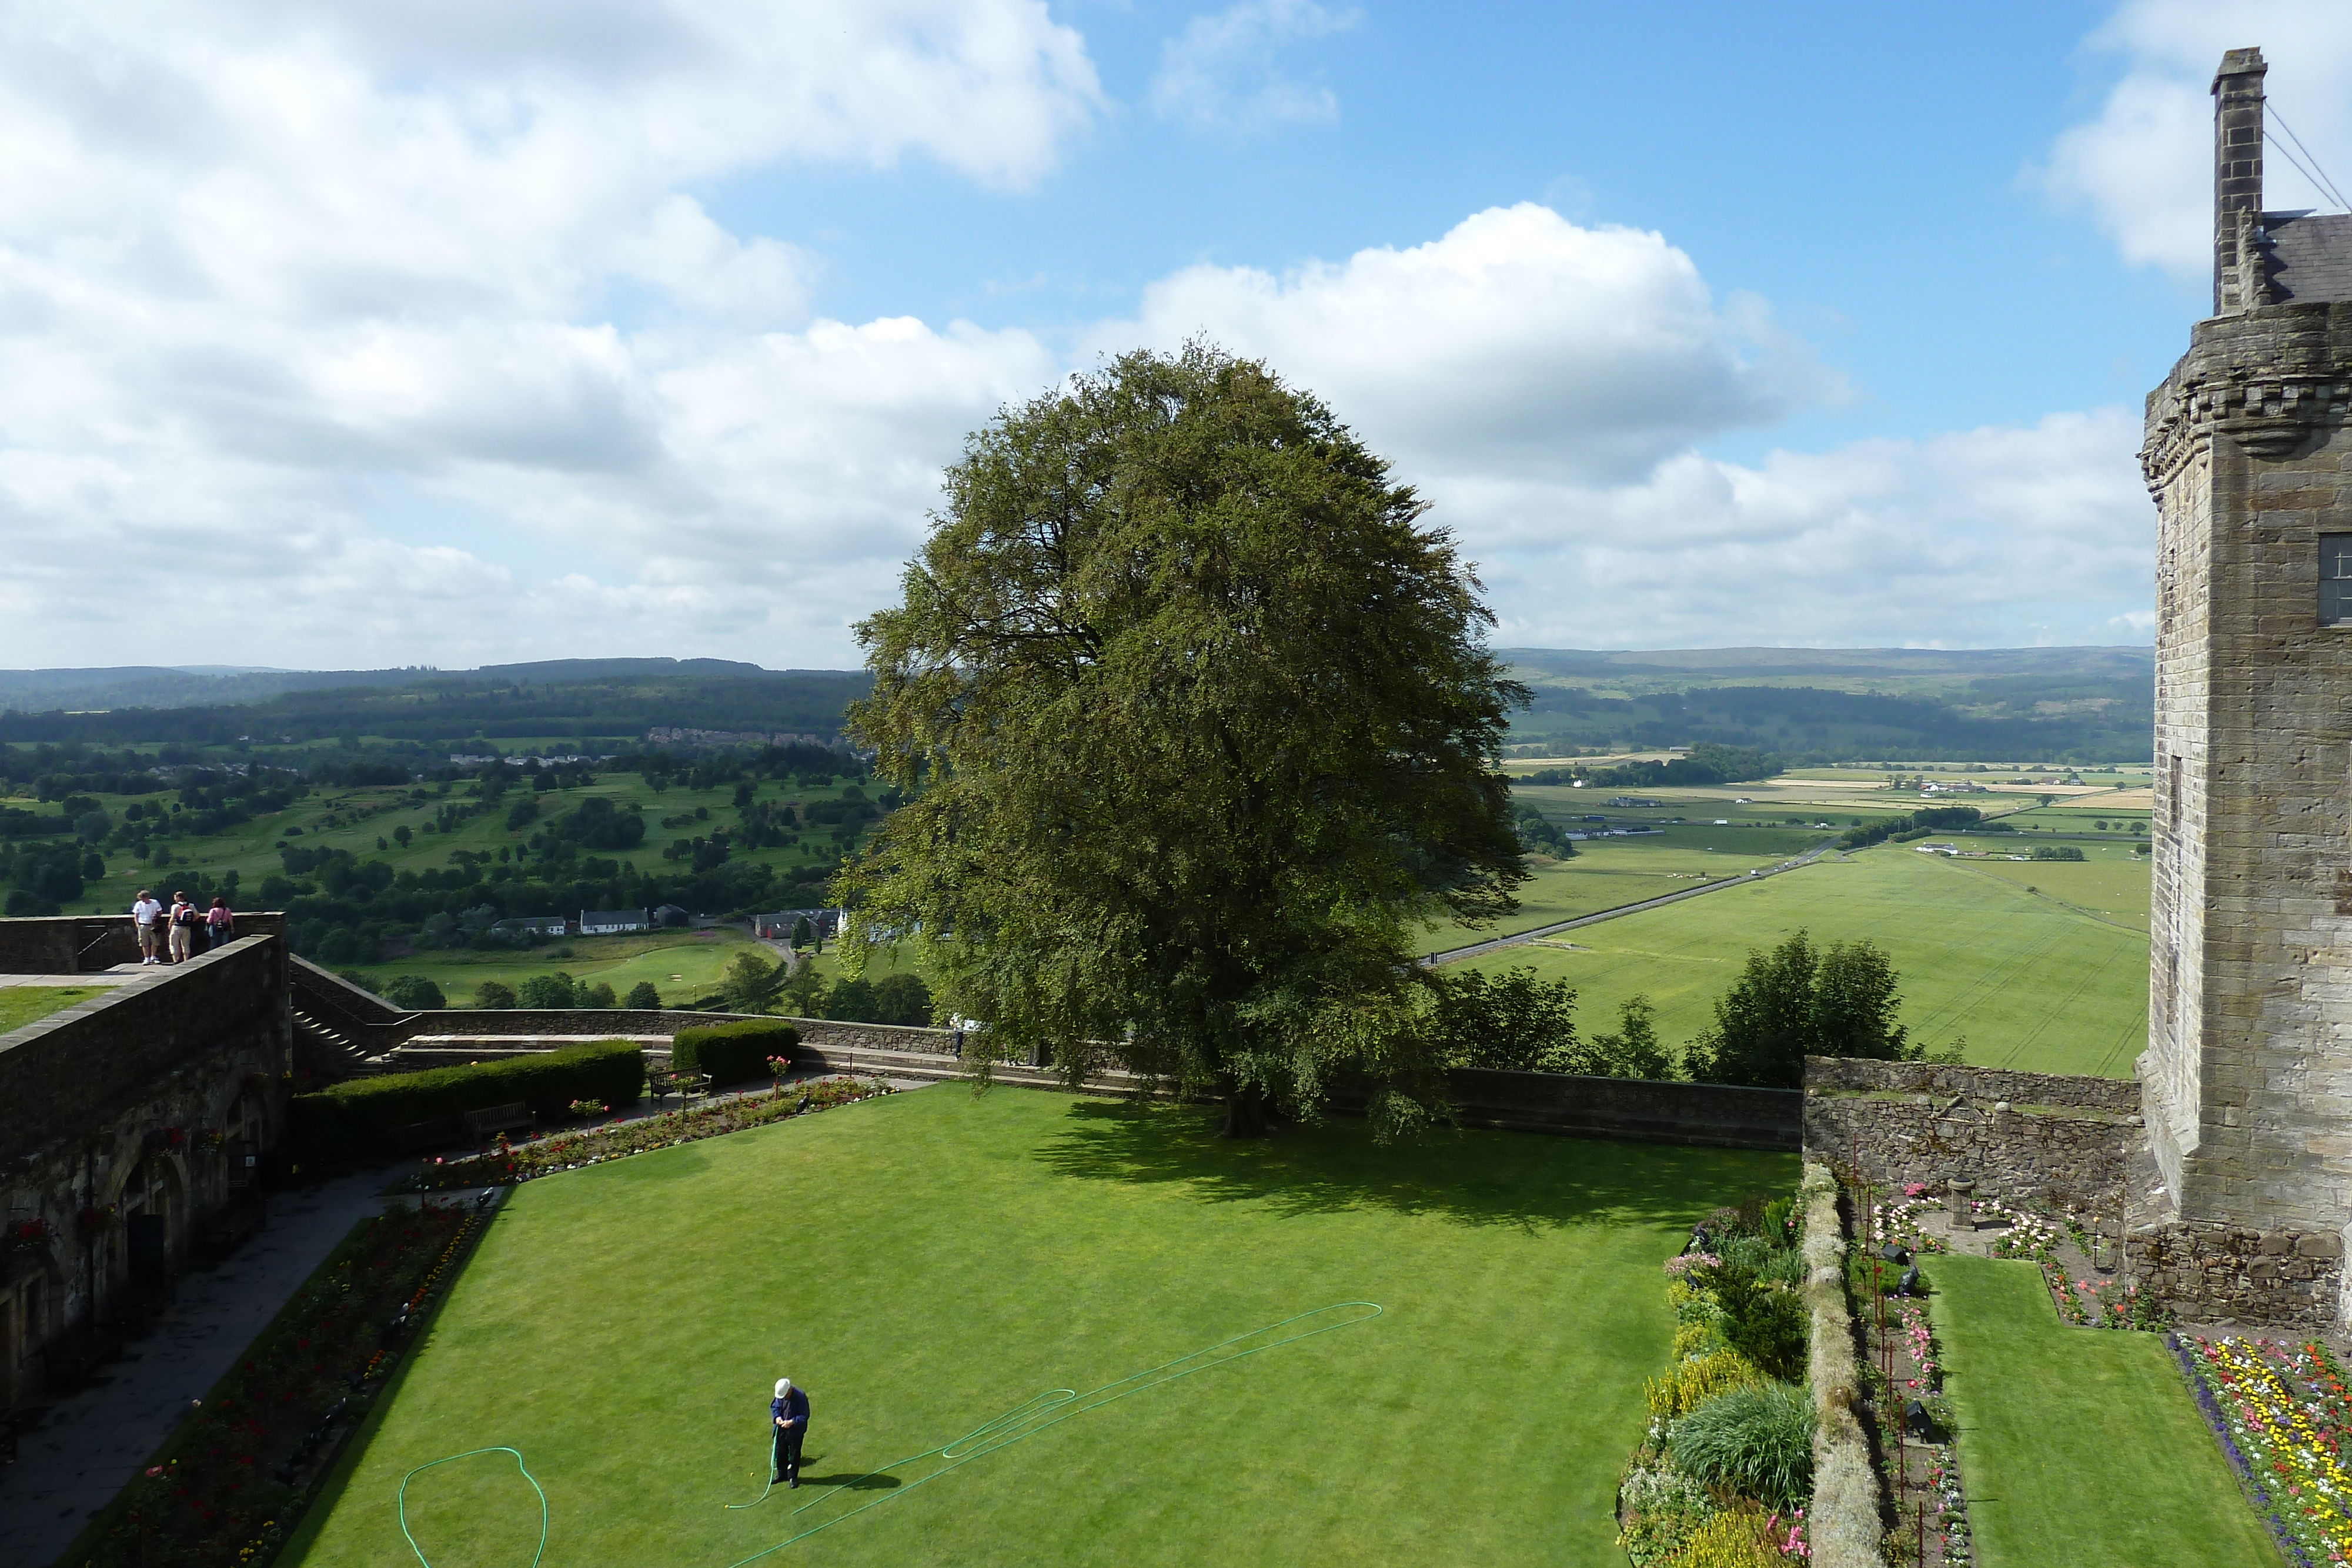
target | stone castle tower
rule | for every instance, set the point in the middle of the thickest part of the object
(2247, 1083)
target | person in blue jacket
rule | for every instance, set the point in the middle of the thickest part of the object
(789, 1412)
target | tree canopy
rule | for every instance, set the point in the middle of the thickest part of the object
(1797, 1001)
(1197, 724)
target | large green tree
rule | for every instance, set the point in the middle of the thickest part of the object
(1199, 726)
(1798, 1000)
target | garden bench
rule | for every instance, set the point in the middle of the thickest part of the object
(482, 1126)
(685, 1085)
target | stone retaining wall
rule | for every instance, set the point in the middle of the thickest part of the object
(1830, 1074)
(2221, 1273)
(1897, 1123)
(1844, 1512)
(58, 1072)
(1711, 1115)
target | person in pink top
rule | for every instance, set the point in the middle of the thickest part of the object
(220, 926)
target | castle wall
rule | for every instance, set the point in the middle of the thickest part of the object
(2248, 1076)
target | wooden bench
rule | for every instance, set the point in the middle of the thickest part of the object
(685, 1085)
(484, 1124)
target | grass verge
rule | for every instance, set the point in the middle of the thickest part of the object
(2079, 1446)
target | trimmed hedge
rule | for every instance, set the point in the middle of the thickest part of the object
(732, 1052)
(361, 1116)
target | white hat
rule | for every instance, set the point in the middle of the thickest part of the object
(783, 1386)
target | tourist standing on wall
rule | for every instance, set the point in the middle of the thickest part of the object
(144, 912)
(183, 927)
(220, 926)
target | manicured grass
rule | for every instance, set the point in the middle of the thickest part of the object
(925, 1262)
(2110, 882)
(2079, 1445)
(697, 957)
(2030, 982)
(21, 1005)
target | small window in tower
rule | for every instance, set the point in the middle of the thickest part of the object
(2335, 580)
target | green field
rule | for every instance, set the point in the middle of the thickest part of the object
(923, 1263)
(2079, 1445)
(2030, 979)
(21, 1005)
(355, 818)
(683, 966)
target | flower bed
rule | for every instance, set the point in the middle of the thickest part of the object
(229, 1484)
(1719, 1477)
(508, 1164)
(2283, 1416)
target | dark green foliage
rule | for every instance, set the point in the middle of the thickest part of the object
(1757, 1441)
(853, 1001)
(2056, 852)
(732, 1052)
(357, 1117)
(547, 993)
(1765, 1324)
(644, 998)
(494, 995)
(1798, 1001)
(415, 992)
(902, 999)
(1634, 1050)
(1511, 1021)
(1195, 723)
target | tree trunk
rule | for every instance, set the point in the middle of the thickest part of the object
(1245, 1114)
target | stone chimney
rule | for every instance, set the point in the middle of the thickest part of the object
(2238, 281)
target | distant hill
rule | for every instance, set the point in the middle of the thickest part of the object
(151, 686)
(2073, 705)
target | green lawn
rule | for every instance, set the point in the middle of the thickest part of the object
(2030, 981)
(695, 958)
(21, 1005)
(2079, 1445)
(925, 1262)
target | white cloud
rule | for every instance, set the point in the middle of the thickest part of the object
(1517, 343)
(1998, 536)
(262, 266)
(260, 261)
(1225, 71)
(2142, 166)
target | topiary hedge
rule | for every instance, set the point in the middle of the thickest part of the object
(361, 1116)
(732, 1052)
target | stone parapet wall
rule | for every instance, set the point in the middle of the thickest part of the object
(1829, 1074)
(60, 1073)
(2219, 1273)
(2052, 1152)
(1711, 1115)
(84, 943)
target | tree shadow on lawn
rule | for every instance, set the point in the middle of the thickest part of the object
(1527, 1180)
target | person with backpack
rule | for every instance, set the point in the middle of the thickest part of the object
(184, 928)
(220, 926)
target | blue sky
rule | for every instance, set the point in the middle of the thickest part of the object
(437, 334)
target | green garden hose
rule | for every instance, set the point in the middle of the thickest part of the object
(536, 1555)
(1025, 1420)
